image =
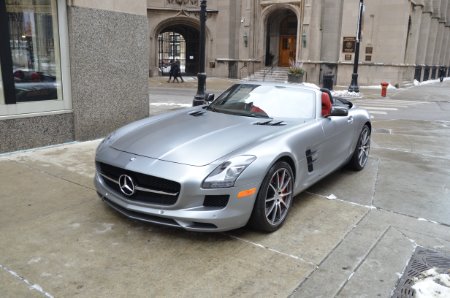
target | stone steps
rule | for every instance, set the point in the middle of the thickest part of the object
(278, 74)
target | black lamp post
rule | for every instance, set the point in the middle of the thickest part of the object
(354, 84)
(199, 98)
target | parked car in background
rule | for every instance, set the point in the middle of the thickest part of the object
(33, 85)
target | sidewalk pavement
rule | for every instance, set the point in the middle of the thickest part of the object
(59, 240)
(349, 236)
(214, 84)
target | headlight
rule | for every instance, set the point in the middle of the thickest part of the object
(226, 174)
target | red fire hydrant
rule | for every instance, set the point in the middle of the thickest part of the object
(384, 87)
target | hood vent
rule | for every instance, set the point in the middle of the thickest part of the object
(197, 113)
(271, 123)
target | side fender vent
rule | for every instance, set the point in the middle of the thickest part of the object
(311, 157)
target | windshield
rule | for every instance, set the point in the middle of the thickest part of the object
(265, 101)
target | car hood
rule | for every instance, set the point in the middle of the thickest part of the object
(193, 140)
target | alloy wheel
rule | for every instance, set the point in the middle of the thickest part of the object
(364, 147)
(279, 196)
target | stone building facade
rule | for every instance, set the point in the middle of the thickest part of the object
(402, 39)
(70, 70)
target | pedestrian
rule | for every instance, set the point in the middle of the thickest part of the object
(171, 71)
(177, 71)
(442, 73)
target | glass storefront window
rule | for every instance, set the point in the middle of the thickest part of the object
(35, 53)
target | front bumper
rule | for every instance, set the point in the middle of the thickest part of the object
(189, 211)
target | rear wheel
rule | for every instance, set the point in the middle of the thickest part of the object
(361, 154)
(274, 198)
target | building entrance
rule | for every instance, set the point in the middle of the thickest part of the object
(281, 43)
(288, 48)
(178, 42)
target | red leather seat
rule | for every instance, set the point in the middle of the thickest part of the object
(326, 104)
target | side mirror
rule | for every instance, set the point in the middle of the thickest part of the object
(339, 111)
(209, 97)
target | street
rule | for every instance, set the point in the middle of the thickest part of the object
(350, 235)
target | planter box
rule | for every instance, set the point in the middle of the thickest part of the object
(295, 78)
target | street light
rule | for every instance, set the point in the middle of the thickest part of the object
(199, 98)
(354, 84)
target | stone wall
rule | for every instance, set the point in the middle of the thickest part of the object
(109, 69)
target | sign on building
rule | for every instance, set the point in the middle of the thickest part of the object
(348, 46)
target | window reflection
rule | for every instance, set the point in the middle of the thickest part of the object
(34, 49)
(2, 98)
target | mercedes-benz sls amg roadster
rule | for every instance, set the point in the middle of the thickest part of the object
(239, 159)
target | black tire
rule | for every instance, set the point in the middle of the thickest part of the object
(361, 153)
(274, 198)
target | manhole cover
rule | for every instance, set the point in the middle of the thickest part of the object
(422, 260)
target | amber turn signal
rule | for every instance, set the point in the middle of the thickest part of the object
(246, 193)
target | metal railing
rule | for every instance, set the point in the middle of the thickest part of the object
(270, 70)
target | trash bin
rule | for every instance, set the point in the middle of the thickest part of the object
(384, 87)
(328, 81)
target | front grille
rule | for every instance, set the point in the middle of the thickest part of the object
(160, 186)
(142, 216)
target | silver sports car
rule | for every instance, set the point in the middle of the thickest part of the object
(239, 160)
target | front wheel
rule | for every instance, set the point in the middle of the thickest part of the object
(361, 153)
(274, 198)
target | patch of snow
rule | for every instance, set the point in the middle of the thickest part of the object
(378, 87)
(332, 197)
(106, 227)
(24, 280)
(430, 82)
(432, 284)
(346, 93)
(75, 225)
(36, 287)
(311, 85)
(34, 260)
(170, 104)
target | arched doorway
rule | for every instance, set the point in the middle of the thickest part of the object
(281, 39)
(178, 42)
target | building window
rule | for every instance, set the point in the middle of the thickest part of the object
(30, 56)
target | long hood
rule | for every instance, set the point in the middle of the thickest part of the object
(194, 140)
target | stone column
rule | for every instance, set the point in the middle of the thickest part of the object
(414, 35)
(433, 34)
(314, 34)
(425, 26)
(447, 47)
(331, 35)
(432, 37)
(331, 30)
(445, 11)
(440, 35)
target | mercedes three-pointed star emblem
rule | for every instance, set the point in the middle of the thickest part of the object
(126, 185)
